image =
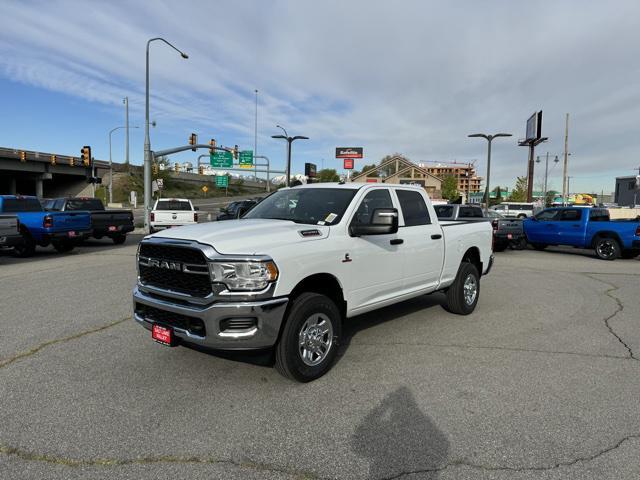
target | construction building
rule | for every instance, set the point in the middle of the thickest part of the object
(465, 173)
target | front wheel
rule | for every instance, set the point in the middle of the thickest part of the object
(607, 248)
(463, 294)
(309, 341)
(26, 249)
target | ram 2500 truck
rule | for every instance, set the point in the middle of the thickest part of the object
(300, 262)
(38, 227)
(114, 224)
(584, 227)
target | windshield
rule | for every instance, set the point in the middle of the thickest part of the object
(173, 205)
(314, 206)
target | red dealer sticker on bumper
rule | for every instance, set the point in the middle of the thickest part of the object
(162, 335)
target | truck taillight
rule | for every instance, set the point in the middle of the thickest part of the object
(637, 231)
(195, 216)
(152, 217)
(47, 222)
(495, 224)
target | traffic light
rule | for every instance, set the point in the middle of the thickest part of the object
(72, 162)
(200, 169)
(23, 156)
(53, 160)
(176, 167)
(85, 156)
(235, 152)
(212, 144)
(155, 169)
(193, 140)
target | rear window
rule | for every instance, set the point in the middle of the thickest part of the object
(12, 205)
(444, 211)
(84, 204)
(414, 210)
(470, 212)
(173, 205)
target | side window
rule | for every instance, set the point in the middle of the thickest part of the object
(58, 205)
(378, 198)
(465, 212)
(598, 215)
(570, 215)
(547, 215)
(414, 210)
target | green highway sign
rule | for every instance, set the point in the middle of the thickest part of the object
(246, 159)
(221, 159)
(222, 181)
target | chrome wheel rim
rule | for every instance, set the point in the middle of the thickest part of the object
(470, 288)
(605, 248)
(315, 339)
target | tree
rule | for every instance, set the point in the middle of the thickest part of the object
(498, 198)
(519, 194)
(327, 175)
(449, 187)
(367, 168)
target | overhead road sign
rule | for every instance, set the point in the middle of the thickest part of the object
(221, 159)
(246, 159)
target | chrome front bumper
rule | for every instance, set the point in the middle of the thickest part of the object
(268, 314)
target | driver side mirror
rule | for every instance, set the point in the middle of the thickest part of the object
(383, 221)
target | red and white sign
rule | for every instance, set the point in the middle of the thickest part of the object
(348, 163)
(162, 334)
(349, 152)
(372, 180)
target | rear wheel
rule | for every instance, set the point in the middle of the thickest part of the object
(27, 248)
(63, 246)
(607, 248)
(539, 246)
(119, 239)
(520, 244)
(463, 294)
(309, 341)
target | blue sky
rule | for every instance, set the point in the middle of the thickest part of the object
(414, 80)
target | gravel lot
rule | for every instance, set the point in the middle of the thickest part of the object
(542, 381)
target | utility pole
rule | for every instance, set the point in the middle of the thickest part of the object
(255, 138)
(126, 131)
(565, 186)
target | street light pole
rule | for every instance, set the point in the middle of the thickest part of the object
(489, 139)
(255, 136)
(289, 140)
(126, 132)
(111, 162)
(147, 140)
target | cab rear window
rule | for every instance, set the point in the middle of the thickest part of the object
(13, 205)
(173, 205)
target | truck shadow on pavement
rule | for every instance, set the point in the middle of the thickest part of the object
(398, 439)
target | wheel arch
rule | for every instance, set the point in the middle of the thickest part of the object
(472, 255)
(324, 284)
(607, 234)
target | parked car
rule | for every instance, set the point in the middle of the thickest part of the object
(172, 212)
(235, 209)
(114, 224)
(517, 210)
(584, 227)
(506, 231)
(39, 227)
(286, 276)
(9, 231)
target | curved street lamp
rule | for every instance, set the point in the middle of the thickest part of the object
(111, 163)
(489, 139)
(289, 140)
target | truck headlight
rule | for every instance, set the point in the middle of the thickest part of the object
(244, 276)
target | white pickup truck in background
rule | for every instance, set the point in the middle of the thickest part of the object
(298, 264)
(172, 212)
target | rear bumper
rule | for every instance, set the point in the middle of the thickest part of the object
(165, 226)
(268, 316)
(11, 241)
(77, 235)
(105, 232)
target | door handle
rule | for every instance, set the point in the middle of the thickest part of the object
(396, 241)
(436, 236)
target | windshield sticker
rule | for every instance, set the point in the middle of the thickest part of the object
(320, 222)
(331, 217)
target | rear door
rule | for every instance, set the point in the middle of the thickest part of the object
(423, 246)
(571, 227)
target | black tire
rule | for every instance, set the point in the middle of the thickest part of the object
(119, 239)
(457, 301)
(520, 244)
(539, 246)
(627, 254)
(97, 237)
(607, 248)
(27, 248)
(308, 307)
(63, 246)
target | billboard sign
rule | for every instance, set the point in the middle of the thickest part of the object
(349, 152)
(310, 170)
(534, 127)
(348, 163)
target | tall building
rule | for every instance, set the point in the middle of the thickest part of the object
(468, 181)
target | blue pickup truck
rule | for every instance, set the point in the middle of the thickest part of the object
(38, 227)
(584, 227)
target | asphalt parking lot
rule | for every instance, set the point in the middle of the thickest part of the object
(542, 381)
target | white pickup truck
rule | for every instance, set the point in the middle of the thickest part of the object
(172, 212)
(298, 264)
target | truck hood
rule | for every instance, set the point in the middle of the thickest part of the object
(247, 237)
